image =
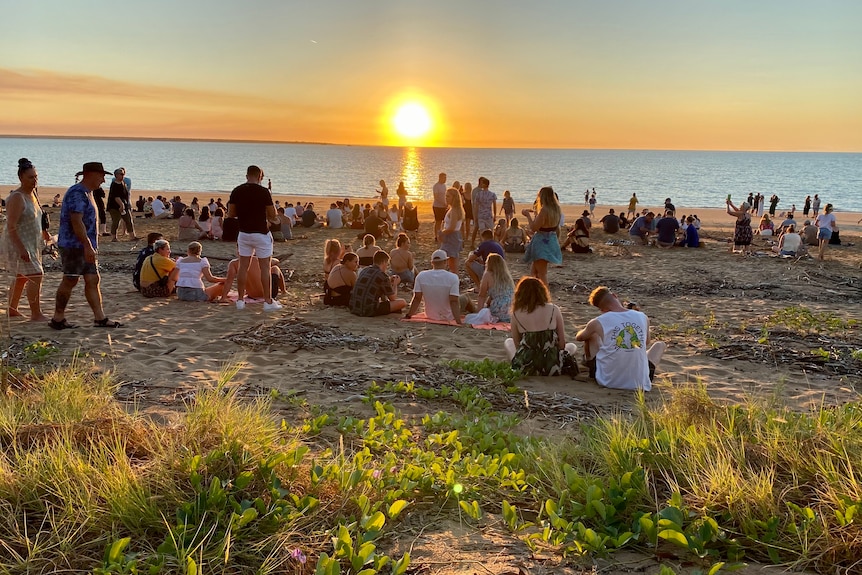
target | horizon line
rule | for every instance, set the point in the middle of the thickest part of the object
(307, 143)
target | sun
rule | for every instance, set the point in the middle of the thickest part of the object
(412, 120)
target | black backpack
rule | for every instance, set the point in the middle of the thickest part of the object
(142, 256)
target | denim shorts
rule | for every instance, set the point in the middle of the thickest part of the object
(191, 294)
(824, 234)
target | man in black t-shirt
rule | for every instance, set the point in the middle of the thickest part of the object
(309, 217)
(610, 223)
(251, 204)
(667, 228)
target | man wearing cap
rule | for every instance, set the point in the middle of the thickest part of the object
(78, 243)
(374, 292)
(440, 289)
(615, 344)
(251, 204)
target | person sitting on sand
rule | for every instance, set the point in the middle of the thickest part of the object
(538, 339)
(253, 287)
(332, 254)
(410, 219)
(285, 223)
(624, 223)
(205, 222)
(500, 231)
(641, 228)
(156, 277)
(334, 217)
(790, 243)
(616, 344)
(143, 254)
(475, 264)
(217, 224)
(516, 237)
(375, 293)
(159, 210)
(401, 259)
(578, 238)
(809, 233)
(376, 226)
(189, 274)
(309, 217)
(440, 289)
(691, 239)
(367, 251)
(766, 227)
(340, 281)
(496, 290)
(610, 222)
(189, 229)
(666, 230)
(357, 221)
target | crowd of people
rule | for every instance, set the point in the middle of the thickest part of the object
(366, 281)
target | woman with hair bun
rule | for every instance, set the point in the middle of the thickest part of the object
(20, 245)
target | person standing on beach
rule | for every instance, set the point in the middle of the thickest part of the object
(815, 206)
(773, 203)
(545, 245)
(438, 206)
(251, 204)
(827, 225)
(806, 207)
(633, 207)
(20, 243)
(78, 242)
(119, 206)
(484, 208)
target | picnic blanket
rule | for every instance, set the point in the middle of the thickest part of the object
(421, 317)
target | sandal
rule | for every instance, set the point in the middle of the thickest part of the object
(62, 324)
(106, 323)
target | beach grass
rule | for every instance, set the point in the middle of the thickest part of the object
(229, 486)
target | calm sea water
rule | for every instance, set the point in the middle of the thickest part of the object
(691, 179)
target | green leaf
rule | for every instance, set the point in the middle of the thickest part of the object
(243, 479)
(397, 507)
(191, 566)
(715, 568)
(400, 566)
(375, 522)
(247, 517)
(115, 554)
(675, 536)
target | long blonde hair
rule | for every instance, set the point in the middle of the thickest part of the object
(496, 266)
(546, 199)
(456, 206)
(331, 251)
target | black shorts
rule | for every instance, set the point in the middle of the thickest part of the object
(591, 364)
(439, 214)
(74, 263)
(383, 308)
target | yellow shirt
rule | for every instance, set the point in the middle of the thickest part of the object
(164, 266)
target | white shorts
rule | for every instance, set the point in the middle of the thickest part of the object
(259, 245)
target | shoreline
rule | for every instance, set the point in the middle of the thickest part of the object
(710, 217)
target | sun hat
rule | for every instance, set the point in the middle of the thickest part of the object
(93, 167)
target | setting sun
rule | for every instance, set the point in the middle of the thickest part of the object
(412, 120)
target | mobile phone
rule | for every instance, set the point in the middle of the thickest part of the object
(728, 197)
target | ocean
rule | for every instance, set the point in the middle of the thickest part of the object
(689, 178)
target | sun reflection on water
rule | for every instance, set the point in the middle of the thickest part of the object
(411, 174)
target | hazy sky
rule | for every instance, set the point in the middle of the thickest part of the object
(684, 74)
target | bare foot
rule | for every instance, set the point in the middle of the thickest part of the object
(13, 312)
(39, 318)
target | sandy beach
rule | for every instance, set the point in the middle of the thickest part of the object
(709, 305)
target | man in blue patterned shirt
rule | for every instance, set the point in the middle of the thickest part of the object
(78, 243)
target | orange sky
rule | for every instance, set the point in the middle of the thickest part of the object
(671, 75)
